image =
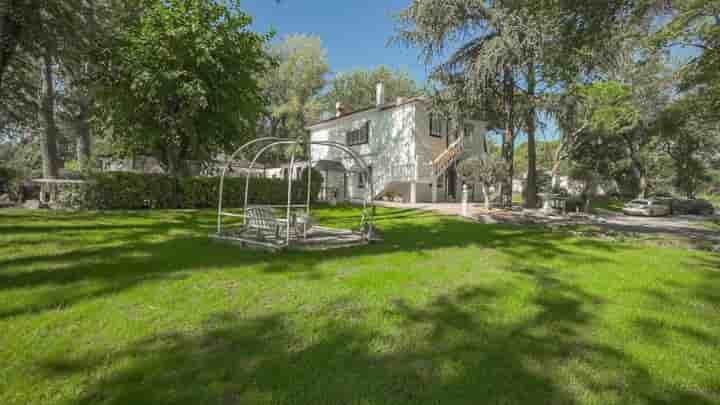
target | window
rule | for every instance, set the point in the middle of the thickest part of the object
(358, 136)
(435, 126)
(469, 129)
(363, 178)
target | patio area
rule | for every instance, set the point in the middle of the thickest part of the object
(316, 238)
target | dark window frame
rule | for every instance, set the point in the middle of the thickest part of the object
(359, 136)
(436, 121)
(469, 125)
(364, 177)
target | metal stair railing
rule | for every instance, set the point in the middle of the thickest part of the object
(441, 163)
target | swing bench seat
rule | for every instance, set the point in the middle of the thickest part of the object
(263, 219)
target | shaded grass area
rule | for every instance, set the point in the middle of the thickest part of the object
(713, 198)
(141, 308)
(607, 203)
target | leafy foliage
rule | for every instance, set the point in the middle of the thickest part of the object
(691, 142)
(291, 87)
(121, 190)
(181, 80)
(487, 170)
(355, 90)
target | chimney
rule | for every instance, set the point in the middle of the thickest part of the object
(380, 94)
(339, 109)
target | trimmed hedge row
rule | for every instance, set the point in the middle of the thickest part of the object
(6, 175)
(121, 190)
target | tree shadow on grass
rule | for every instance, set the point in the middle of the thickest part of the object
(155, 249)
(457, 349)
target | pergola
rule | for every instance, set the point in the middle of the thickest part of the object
(261, 228)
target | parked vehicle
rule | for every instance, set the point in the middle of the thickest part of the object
(692, 207)
(648, 208)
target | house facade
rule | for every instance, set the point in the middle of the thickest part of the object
(412, 153)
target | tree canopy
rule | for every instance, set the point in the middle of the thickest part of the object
(292, 86)
(356, 89)
(181, 81)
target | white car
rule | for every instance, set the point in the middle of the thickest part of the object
(648, 208)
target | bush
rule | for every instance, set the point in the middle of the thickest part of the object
(203, 192)
(6, 174)
(20, 189)
(692, 207)
(121, 190)
(575, 203)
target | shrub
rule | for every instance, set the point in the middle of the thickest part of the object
(6, 174)
(202, 192)
(575, 203)
(315, 183)
(692, 207)
(122, 190)
(17, 187)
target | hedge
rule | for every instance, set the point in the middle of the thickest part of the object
(6, 175)
(121, 190)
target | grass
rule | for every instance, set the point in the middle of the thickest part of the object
(141, 308)
(607, 203)
(714, 199)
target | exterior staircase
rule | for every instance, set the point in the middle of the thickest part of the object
(424, 172)
(441, 163)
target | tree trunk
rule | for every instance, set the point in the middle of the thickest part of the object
(85, 99)
(640, 175)
(486, 196)
(10, 31)
(49, 138)
(82, 128)
(172, 160)
(643, 185)
(637, 166)
(508, 136)
(531, 185)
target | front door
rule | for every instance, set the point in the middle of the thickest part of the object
(451, 180)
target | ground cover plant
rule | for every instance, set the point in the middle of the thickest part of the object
(140, 307)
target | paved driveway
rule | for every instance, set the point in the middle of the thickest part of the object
(689, 226)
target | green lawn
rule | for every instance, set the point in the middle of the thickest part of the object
(141, 308)
(715, 199)
(607, 203)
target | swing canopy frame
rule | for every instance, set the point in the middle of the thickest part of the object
(260, 228)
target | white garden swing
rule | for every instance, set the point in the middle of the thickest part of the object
(261, 227)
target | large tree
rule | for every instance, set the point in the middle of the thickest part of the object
(695, 24)
(692, 143)
(37, 38)
(356, 89)
(181, 80)
(292, 86)
(505, 55)
(485, 68)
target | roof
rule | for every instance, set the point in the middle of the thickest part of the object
(386, 106)
(329, 165)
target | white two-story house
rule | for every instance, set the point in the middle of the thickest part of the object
(412, 153)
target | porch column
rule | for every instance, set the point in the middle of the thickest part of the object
(413, 183)
(434, 190)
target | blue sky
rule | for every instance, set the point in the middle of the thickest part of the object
(354, 32)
